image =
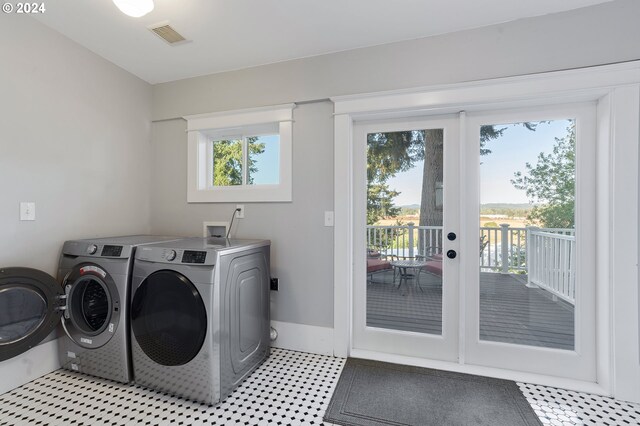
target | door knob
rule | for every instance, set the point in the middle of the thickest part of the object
(451, 236)
(451, 254)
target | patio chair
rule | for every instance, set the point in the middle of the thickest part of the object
(381, 263)
(434, 263)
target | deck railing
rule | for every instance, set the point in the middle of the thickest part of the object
(547, 255)
(405, 240)
(552, 259)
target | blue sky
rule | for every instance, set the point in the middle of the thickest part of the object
(268, 163)
(510, 153)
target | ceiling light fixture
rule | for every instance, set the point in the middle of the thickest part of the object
(134, 8)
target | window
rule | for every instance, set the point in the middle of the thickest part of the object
(240, 155)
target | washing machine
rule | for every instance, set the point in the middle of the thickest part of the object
(96, 277)
(200, 315)
(89, 299)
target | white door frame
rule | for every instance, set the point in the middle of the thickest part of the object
(442, 346)
(616, 89)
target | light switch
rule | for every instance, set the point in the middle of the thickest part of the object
(27, 210)
(328, 218)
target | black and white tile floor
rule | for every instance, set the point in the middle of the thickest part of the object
(290, 388)
(560, 407)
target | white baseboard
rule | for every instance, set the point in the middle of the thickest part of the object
(303, 338)
(34, 363)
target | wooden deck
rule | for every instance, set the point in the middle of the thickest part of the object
(509, 311)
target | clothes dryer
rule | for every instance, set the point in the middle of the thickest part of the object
(200, 315)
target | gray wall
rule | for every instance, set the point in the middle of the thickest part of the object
(74, 138)
(302, 246)
(599, 34)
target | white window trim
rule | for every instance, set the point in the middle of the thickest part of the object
(616, 89)
(198, 129)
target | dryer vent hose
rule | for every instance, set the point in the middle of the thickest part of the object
(274, 334)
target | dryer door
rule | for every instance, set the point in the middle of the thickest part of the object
(93, 306)
(29, 309)
(168, 318)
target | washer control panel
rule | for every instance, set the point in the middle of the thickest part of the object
(111, 251)
(96, 249)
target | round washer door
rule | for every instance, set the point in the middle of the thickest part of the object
(168, 318)
(29, 301)
(93, 306)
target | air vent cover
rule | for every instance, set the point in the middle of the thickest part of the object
(167, 33)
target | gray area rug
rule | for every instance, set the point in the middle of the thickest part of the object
(372, 393)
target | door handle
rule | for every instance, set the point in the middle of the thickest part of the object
(451, 254)
(451, 236)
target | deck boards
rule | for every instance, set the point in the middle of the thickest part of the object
(509, 311)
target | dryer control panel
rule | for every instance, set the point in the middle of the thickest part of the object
(192, 256)
(176, 255)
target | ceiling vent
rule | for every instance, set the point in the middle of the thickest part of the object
(167, 33)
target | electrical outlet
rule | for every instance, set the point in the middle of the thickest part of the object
(240, 213)
(274, 284)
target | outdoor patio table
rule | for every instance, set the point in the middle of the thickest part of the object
(410, 264)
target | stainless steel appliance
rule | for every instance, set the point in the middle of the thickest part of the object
(200, 315)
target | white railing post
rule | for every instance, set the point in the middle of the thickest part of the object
(411, 225)
(531, 250)
(504, 247)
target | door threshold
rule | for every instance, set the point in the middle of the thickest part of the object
(517, 376)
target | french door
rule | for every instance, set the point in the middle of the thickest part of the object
(406, 310)
(474, 241)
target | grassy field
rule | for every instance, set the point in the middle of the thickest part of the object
(511, 214)
(514, 222)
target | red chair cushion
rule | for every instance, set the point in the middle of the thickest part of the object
(434, 266)
(374, 265)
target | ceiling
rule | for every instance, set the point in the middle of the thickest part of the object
(233, 34)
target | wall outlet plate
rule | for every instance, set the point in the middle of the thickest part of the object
(274, 284)
(240, 213)
(27, 210)
(328, 218)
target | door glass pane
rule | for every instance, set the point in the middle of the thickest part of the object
(90, 305)
(22, 310)
(527, 235)
(227, 162)
(168, 318)
(404, 230)
(264, 160)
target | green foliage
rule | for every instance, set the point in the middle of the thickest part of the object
(491, 225)
(227, 161)
(380, 202)
(391, 153)
(488, 133)
(388, 154)
(550, 184)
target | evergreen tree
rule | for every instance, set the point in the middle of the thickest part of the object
(227, 161)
